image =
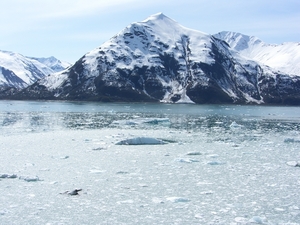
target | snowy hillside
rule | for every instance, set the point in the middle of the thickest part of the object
(53, 63)
(160, 60)
(284, 57)
(19, 71)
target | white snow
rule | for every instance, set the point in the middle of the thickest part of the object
(27, 68)
(284, 57)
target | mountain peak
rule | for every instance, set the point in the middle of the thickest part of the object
(158, 17)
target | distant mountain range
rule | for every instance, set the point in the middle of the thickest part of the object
(18, 71)
(284, 57)
(161, 61)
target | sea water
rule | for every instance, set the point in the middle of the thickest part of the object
(176, 164)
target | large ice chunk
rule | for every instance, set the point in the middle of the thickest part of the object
(141, 141)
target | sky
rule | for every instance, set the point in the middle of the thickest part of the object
(68, 29)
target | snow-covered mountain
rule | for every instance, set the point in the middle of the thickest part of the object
(284, 57)
(160, 60)
(19, 71)
(53, 63)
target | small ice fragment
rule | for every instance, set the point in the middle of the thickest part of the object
(97, 171)
(177, 199)
(157, 200)
(234, 125)
(206, 192)
(215, 163)
(31, 179)
(213, 156)
(129, 201)
(279, 209)
(258, 220)
(4, 175)
(240, 219)
(193, 153)
(74, 192)
(99, 148)
(186, 160)
(122, 172)
(291, 140)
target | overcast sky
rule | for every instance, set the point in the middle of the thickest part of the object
(67, 29)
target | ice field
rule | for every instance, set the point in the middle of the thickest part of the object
(148, 164)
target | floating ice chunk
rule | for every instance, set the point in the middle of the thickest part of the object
(74, 192)
(99, 148)
(3, 212)
(157, 200)
(139, 121)
(258, 220)
(122, 172)
(206, 192)
(4, 175)
(213, 156)
(215, 163)
(177, 199)
(235, 125)
(291, 140)
(293, 163)
(96, 171)
(279, 209)
(156, 120)
(129, 201)
(186, 160)
(194, 153)
(30, 179)
(141, 141)
(241, 220)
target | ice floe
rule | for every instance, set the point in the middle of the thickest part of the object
(193, 153)
(177, 199)
(141, 141)
(4, 175)
(293, 163)
(186, 160)
(30, 179)
(74, 192)
(215, 163)
(258, 220)
(291, 140)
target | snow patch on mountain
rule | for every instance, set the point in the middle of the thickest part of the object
(284, 57)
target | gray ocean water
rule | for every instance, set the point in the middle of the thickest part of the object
(20, 116)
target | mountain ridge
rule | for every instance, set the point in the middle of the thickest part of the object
(284, 57)
(18, 71)
(160, 60)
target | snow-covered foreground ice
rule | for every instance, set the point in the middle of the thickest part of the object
(216, 166)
